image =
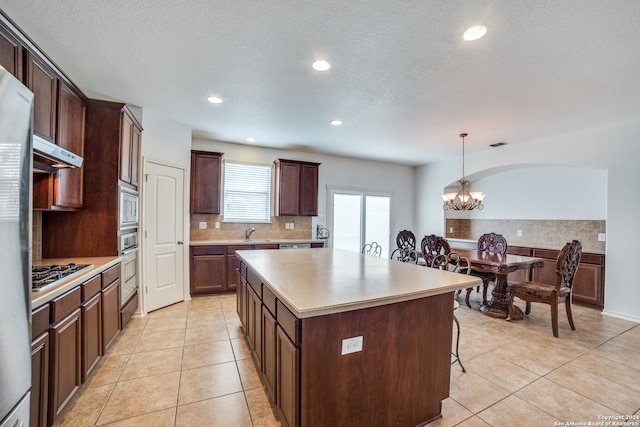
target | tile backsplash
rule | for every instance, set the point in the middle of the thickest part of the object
(36, 237)
(535, 233)
(276, 229)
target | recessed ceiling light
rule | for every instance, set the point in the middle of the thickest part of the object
(321, 65)
(250, 139)
(335, 122)
(474, 33)
(214, 100)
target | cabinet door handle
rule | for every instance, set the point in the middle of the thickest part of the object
(180, 242)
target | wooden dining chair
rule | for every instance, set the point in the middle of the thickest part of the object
(491, 243)
(373, 249)
(552, 294)
(457, 264)
(405, 255)
(432, 246)
(406, 239)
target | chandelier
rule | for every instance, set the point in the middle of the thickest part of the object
(463, 200)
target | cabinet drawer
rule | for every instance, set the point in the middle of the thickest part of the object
(596, 259)
(209, 250)
(40, 320)
(91, 287)
(65, 304)
(255, 283)
(110, 275)
(519, 250)
(546, 253)
(269, 300)
(288, 322)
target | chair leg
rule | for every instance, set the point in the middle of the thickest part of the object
(554, 315)
(485, 286)
(512, 310)
(527, 309)
(466, 298)
(456, 354)
(567, 304)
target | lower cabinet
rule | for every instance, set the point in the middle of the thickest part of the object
(110, 313)
(271, 333)
(287, 381)
(39, 380)
(66, 363)
(91, 334)
(208, 270)
(69, 336)
(588, 283)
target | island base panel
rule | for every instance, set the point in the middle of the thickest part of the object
(399, 378)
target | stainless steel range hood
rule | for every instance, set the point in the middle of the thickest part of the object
(49, 157)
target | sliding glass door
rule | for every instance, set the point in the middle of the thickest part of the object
(360, 217)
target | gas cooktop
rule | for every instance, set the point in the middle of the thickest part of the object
(46, 276)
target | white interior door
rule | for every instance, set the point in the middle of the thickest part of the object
(163, 244)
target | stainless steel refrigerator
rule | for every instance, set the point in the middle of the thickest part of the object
(16, 125)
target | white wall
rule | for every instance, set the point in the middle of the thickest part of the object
(613, 148)
(336, 171)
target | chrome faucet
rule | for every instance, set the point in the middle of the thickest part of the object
(249, 232)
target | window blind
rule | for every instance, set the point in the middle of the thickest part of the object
(247, 192)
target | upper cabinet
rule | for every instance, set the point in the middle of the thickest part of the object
(205, 182)
(296, 188)
(43, 82)
(131, 134)
(10, 52)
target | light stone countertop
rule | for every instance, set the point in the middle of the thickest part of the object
(472, 244)
(99, 264)
(314, 282)
(226, 242)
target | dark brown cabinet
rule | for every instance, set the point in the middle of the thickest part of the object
(10, 52)
(110, 309)
(67, 188)
(269, 356)
(129, 148)
(66, 233)
(39, 379)
(232, 265)
(43, 82)
(208, 269)
(287, 380)
(205, 182)
(296, 191)
(522, 275)
(588, 283)
(91, 316)
(66, 362)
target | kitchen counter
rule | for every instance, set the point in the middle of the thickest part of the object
(99, 264)
(344, 338)
(313, 282)
(226, 242)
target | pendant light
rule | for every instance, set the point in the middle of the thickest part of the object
(463, 200)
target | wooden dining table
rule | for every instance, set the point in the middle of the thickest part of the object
(501, 265)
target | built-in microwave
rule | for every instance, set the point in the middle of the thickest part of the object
(128, 208)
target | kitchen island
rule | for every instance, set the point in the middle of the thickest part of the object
(342, 338)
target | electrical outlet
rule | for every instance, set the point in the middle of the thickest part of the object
(451, 230)
(602, 237)
(203, 225)
(351, 345)
(291, 226)
(519, 233)
(286, 225)
(217, 224)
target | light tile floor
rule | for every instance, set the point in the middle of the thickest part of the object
(188, 365)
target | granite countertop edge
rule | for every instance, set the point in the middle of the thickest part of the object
(526, 245)
(227, 242)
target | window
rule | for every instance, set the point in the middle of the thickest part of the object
(247, 192)
(360, 217)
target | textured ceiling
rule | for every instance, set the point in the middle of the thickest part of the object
(403, 80)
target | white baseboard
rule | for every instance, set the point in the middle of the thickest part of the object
(621, 316)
